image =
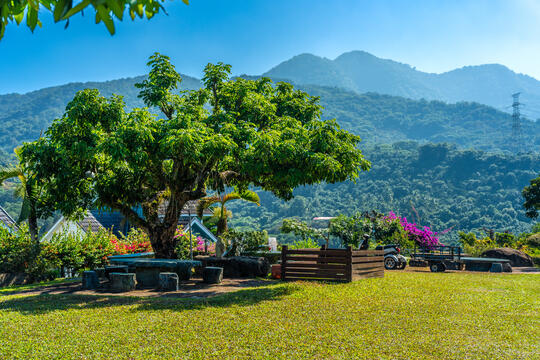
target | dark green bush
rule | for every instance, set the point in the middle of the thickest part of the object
(17, 251)
(247, 241)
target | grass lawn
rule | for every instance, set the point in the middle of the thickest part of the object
(402, 316)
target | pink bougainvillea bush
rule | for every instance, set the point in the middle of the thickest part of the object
(424, 237)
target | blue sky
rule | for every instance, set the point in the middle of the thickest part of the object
(253, 36)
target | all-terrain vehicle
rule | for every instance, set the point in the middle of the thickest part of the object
(393, 260)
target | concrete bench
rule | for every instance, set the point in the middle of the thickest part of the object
(90, 280)
(213, 275)
(148, 270)
(116, 269)
(123, 281)
(168, 281)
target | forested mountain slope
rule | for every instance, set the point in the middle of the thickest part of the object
(386, 119)
(449, 188)
(359, 71)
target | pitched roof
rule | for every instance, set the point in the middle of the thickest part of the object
(6, 219)
(96, 220)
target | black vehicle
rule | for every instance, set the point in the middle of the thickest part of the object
(393, 260)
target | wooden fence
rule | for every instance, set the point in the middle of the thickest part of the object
(331, 264)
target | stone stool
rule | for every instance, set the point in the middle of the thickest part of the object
(496, 268)
(122, 281)
(115, 269)
(100, 273)
(168, 281)
(90, 280)
(213, 275)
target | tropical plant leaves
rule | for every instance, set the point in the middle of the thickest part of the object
(14, 11)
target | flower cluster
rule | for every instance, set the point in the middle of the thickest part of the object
(200, 244)
(423, 237)
(122, 248)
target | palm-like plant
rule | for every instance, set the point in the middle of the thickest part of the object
(220, 213)
(26, 190)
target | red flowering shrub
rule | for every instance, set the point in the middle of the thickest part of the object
(136, 241)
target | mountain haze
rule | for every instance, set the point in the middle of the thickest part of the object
(362, 72)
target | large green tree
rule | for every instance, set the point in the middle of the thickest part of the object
(104, 11)
(531, 194)
(244, 132)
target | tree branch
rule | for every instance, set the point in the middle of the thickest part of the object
(132, 215)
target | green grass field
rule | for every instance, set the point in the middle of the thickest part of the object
(401, 316)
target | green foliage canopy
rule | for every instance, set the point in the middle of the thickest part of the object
(531, 194)
(63, 10)
(303, 230)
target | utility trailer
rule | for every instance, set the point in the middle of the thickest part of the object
(441, 258)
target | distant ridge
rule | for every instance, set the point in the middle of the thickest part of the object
(361, 72)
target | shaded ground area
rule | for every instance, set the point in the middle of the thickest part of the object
(189, 289)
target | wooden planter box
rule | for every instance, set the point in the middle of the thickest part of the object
(331, 264)
(276, 271)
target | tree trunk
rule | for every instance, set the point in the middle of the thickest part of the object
(162, 240)
(222, 221)
(221, 226)
(33, 226)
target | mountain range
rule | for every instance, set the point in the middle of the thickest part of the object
(386, 104)
(361, 72)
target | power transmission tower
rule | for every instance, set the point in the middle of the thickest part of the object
(517, 134)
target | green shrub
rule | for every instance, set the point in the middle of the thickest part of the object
(79, 251)
(384, 229)
(505, 240)
(304, 244)
(391, 231)
(75, 251)
(247, 241)
(17, 251)
(184, 243)
(473, 246)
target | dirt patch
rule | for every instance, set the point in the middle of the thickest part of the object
(190, 289)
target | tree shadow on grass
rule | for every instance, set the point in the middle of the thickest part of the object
(41, 304)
